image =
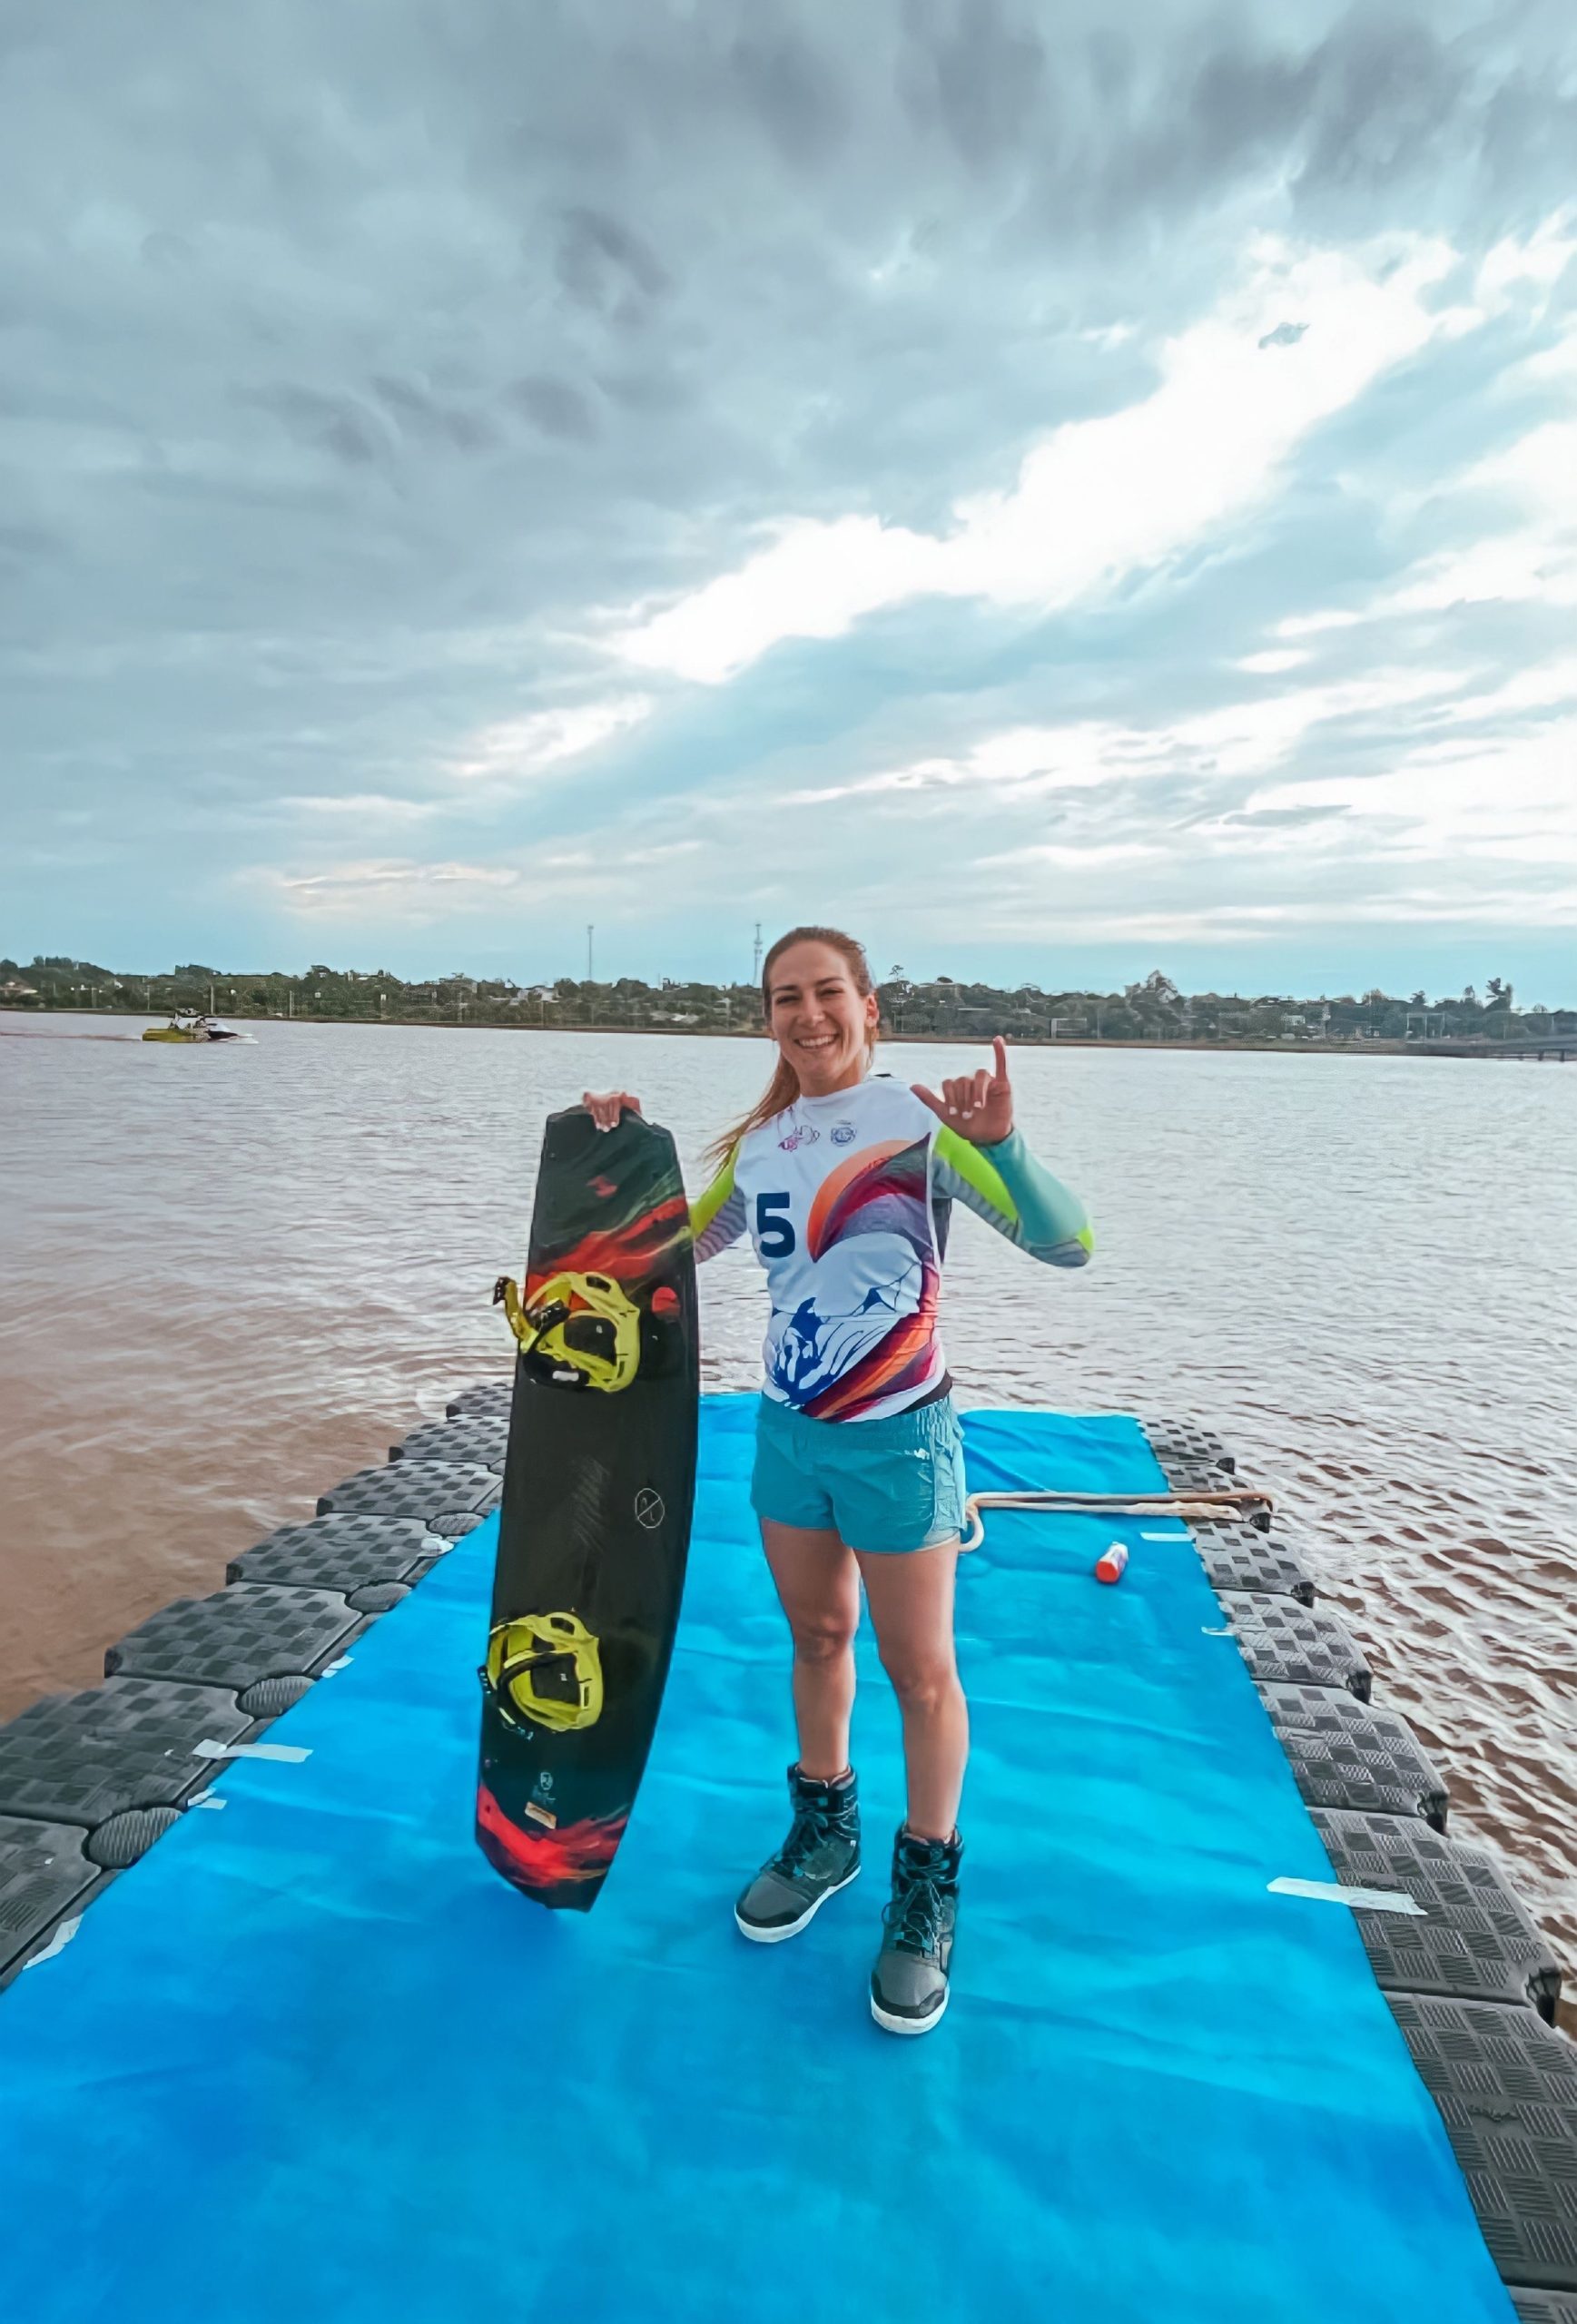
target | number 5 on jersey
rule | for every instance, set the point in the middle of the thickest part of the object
(774, 1237)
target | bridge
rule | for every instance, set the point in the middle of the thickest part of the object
(1560, 1046)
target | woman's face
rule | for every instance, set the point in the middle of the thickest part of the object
(819, 1021)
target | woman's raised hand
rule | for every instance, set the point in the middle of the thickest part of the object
(978, 1105)
(605, 1108)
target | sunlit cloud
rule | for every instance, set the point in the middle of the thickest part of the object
(369, 806)
(1513, 798)
(1532, 559)
(1247, 737)
(403, 888)
(516, 748)
(391, 887)
(1273, 662)
(1099, 498)
(1535, 561)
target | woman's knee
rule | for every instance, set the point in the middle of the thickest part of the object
(922, 1682)
(823, 1638)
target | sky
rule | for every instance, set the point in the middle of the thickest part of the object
(1062, 491)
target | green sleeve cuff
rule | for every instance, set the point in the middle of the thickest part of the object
(1048, 1212)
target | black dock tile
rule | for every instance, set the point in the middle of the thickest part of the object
(250, 1631)
(1474, 1941)
(1197, 1454)
(428, 1489)
(1506, 2087)
(46, 1874)
(1239, 1557)
(131, 1743)
(478, 1439)
(488, 1398)
(1347, 1754)
(1543, 2306)
(343, 1553)
(1284, 1642)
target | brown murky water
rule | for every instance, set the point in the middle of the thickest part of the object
(229, 1275)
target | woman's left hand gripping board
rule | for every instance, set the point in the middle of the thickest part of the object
(604, 1107)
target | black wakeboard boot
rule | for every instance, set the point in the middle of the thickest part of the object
(819, 1855)
(909, 1984)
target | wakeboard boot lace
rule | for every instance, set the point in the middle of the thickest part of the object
(914, 1917)
(810, 1828)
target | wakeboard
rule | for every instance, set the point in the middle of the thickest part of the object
(595, 1526)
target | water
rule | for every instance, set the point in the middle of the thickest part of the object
(228, 1276)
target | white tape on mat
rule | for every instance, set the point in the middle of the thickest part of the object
(57, 1943)
(332, 1669)
(1166, 1537)
(206, 1799)
(1367, 1900)
(291, 1753)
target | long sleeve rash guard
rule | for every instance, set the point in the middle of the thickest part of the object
(847, 1200)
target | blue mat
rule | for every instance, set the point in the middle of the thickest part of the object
(311, 2058)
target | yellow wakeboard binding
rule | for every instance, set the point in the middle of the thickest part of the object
(580, 1331)
(545, 1669)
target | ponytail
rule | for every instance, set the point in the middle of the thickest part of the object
(784, 1086)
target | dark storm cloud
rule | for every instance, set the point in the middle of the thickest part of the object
(1383, 96)
(556, 407)
(360, 365)
(334, 424)
(793, 92)
(428, 421)
(607, 266)
(1363, 109)
(977, 68)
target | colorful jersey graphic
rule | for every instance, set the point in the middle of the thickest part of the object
(847, 1201)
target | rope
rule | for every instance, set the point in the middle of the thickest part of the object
(1239, 1500)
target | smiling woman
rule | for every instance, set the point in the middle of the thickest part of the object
(828, 1025)
(845, 1182)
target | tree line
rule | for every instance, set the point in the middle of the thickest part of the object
(1154, 1010)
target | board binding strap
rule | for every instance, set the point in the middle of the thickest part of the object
(595, 1524)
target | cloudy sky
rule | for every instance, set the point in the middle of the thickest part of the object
(1063, 490)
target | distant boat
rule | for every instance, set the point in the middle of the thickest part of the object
(187, 1025)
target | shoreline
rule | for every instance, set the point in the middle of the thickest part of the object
(1294, 1047)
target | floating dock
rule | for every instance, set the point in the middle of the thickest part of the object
(1237, 2032)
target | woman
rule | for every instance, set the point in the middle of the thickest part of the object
(845, 1183)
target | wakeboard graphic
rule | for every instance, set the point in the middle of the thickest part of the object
(596, 1519)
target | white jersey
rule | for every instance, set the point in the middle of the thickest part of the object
(846, 1200)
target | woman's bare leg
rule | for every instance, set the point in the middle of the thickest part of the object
(819, 1585)
(911, 1601)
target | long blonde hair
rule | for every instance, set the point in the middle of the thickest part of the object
(784, 1086)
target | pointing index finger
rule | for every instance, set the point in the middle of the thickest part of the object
(999, 1049)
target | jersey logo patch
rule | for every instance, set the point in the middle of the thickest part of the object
(804, 1136)
(841, 1133)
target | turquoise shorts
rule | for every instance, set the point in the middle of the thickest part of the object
(884, 1485)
